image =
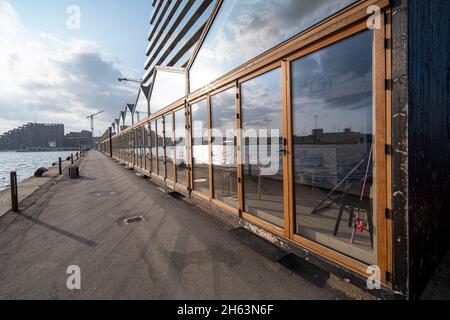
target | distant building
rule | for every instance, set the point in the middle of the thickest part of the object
(33, 136)
(320, 137)
(78, 139)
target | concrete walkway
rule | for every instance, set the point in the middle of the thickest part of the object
(179, 252)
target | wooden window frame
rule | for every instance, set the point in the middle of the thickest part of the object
(344, 24)
(246, 215)
(194, 192)
(178, 185)
(213, 200)
(170, 182)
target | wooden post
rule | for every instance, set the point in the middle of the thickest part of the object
(14, 192)
(60, 166)
(71, 158)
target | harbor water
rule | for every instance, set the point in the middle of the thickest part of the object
(26, 163)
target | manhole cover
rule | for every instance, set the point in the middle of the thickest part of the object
(134, 220)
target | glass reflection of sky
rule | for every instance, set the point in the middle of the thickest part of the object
(223, 125)
(245, 29)
(128, 120)
(261, 101)
(199, 122)
(223, 113)
(168, 88)
(141, 111)
(332, 88)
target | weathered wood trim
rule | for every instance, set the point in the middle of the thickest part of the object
(400, 118)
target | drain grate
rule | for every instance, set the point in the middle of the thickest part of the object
(134, 220)
(176, 195)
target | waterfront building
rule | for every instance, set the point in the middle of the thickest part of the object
(323, 126)
(76, 140)
(33, 137)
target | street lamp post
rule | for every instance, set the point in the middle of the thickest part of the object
(130, 80)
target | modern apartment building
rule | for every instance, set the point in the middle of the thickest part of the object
(33, 136)
(322, 126)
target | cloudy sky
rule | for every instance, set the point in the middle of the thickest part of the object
(55, 67)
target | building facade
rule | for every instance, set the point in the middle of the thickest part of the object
(76, 140)
(322, 126)
(33, 136)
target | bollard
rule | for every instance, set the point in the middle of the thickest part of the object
(14, 192)
(78, 157)
(60, 166)
(71, 158)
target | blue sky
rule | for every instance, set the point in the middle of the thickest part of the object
(118, 26)
(50, 73)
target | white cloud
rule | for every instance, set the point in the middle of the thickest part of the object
(47, 79)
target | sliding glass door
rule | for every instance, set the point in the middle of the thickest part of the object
(263, 148)
(180, 143)
(168, 142)
(333, 146)
(161, 148)
(224, 147)
(200, 148)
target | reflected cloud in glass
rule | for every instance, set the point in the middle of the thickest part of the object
(168, 88)
(243, 30)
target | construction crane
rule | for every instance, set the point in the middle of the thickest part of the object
(92, 120)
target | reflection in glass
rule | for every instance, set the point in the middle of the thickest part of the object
(153, 149)
(180, 146)
(137, 148)
(169, 147)
(224, 147)
(128, 117)
(169, 87)
(147, 145)
(262, 160)
(200, 147)
(243, 30)
(133, 147)
(160, 141)
(141, 110)
(333, 146)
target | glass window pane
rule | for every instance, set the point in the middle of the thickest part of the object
(243, 30)
(154, 150)
(137, 146)
(224, 147)
(169, 147)
(180, 146)
(147, 146)
(160, 141)
(333, 142)
(169, 87)
(262, 160)
(141, 111)
(200, 147)
(128, 119)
